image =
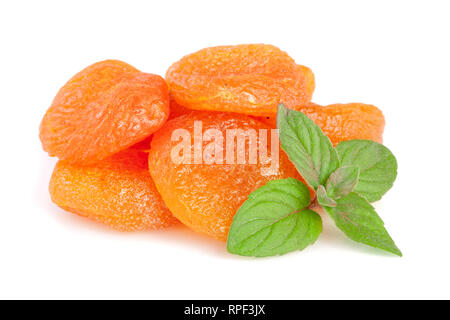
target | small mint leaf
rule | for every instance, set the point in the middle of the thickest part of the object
(274, 220)
(377, 164)
(323, 198)
(307, 147)
(356, 217)
(342, 181)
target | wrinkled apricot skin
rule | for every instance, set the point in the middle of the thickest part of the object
(103, 109)
(205, 197)
(342, 122)
(250, 79)
(117, 191)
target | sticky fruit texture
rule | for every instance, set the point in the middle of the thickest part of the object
(117, 191)
(251, 79)
(205, 196)
(103, 109)
(341, 122)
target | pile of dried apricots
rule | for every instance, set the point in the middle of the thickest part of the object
(110, 126)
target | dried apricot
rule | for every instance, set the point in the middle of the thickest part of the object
(205, 194)
(250, 79)
(341, 122)
(103, 109)
(117, 191)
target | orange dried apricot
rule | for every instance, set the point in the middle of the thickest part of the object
(341, 122)
(206, 195)
(103, 109)
(117, 191)
(251, 79)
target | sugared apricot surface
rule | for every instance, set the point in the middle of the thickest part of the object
(102, 110)
(117, 191)
(251, 79)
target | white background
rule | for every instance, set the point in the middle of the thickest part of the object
(394, 54)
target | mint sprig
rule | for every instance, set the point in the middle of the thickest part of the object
(356, 217)
(275, 219)
(342, 181)
(377, 165)
(323, 198)
(307, 146)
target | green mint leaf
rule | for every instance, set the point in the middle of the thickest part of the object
(377, 164)
(342, 181)
(274, 220)
(356, 217)
(307, 147)
(323, 198)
